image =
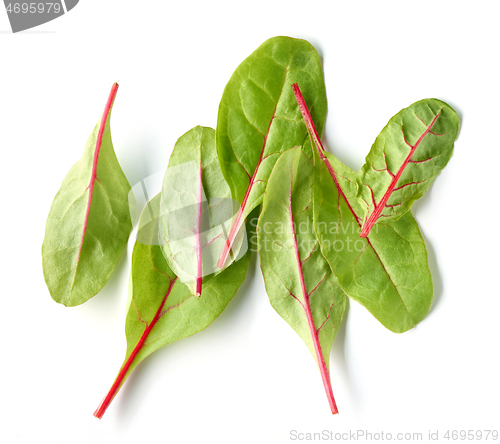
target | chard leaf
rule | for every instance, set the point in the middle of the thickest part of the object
(196, 209)
(405, 159)
(386, 271)
(299, 281)
(259, 119)
(89, 221)
(161, 308)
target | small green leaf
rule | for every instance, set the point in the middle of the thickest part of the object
(89, 221)
(405, 159)
(196, 209)
(161, 309)
(259, 118)
(299, 281)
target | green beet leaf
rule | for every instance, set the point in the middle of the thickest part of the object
(299, 281)
(386, 271)
(259, 118)
(161, 308)
(405, 159)
(89, 221)
(196, 209)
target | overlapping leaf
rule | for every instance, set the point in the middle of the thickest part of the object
(162, 309)
(89, 221)
(259, 118)
(196, 209)
(387, 271)
(299, 281)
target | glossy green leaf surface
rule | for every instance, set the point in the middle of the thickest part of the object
(299, 281)
(196, 209)
(161, 309)
(405, 159)
(259, 118)
(89, 222)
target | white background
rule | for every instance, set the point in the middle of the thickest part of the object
(247, 378)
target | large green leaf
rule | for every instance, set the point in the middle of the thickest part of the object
(259, 118)
(387, 271)
(196, 209)
(89, 221)
(405, 159)
(162, 309)
(299, 281)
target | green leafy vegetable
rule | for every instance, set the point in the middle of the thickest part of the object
(161, 309)
(325, 232)
(405, 159)
(387, 271)
(196, 209)
(299, 281)
(259, 118)
(89, 221)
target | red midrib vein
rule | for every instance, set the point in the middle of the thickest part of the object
(314, 134)
(121, 375)
(93, 176)
(235, 227)
(199, 277)
(380, 206)
(325, 376)
(312, 130)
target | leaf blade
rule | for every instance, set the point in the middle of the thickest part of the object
(89, 221)
(394, 284)
(258, 118)
(195, 209)
(162, 309)
(405, 159)
(299, 282)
